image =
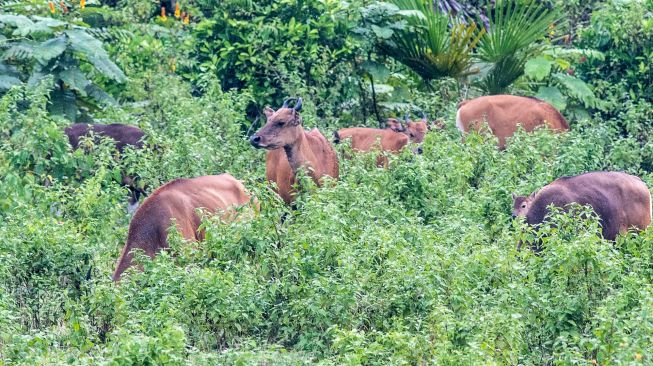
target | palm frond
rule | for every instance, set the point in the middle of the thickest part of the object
(428, 45)
(515, 27)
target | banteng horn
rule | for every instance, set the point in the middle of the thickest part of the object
(285, 102)
(298, 106)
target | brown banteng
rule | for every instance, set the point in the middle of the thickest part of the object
(123, 135)
(291, 148)
(415, 130)
(621, 201)
(504, 113)
(392, 139)
(178, 201)
(366, 139)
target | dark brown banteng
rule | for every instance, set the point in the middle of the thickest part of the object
(123, 135)
(291, 148)
(621, 201)
(504, 113)
(178, 201)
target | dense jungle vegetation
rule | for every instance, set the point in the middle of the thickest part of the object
(415, 264)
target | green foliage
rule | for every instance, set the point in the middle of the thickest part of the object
(511, 41)
(412, 33)
(553, 76)
(324, 285)
(622, 31)
(421, 39)
(278, 48)
(44, 48)
(413, 264)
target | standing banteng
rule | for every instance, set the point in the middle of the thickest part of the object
(621, 201)
(178, 201)
(504, 113)
(291, 148)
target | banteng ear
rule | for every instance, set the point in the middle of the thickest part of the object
(395, 125)
(514, 197)
(268, 112)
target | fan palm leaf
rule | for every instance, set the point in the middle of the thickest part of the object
(514, 28)
(428, 45)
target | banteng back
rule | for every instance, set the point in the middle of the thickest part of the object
(504, 113)
(123, 135)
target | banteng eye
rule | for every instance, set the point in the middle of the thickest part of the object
(523, 205)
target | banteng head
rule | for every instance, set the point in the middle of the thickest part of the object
(283, 127)
(417, 129)
(521, 204)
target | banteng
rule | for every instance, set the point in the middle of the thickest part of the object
(123, 135)
(392, 139)
(621, 201)
(291, 148)
(178, 201)
(504, 113)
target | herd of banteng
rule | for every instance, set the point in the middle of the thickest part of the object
(621, 201)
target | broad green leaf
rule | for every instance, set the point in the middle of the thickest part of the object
(7, 81)
(8, 70)
(75, 79)
(95, 53)
(84, 43)
(382, 32)
(50, 49)
(36, 77)
(100, 95)
(19, 51)
(577, 88)
(18, 21)
(552, 95)
(378, 71)
(62, 103)
(538, 68)
(25, 26)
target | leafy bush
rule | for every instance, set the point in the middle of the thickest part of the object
(413, 264)
(552, 74)
(278, 48)
(40, 47)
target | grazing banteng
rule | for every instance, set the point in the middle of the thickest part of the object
(291, 148)
(621, 201)
(504, 113)
(123, 135)
(179, 200)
